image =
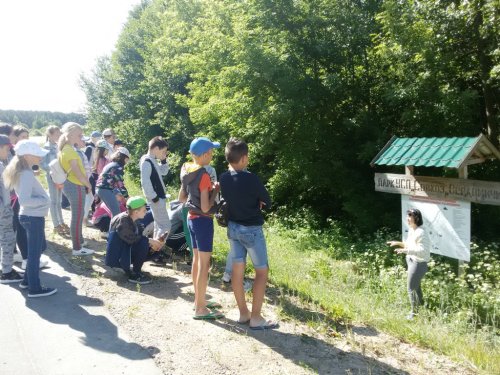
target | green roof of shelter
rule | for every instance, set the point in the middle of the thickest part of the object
(453, 152)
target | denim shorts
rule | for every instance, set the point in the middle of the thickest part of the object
(202, 233)
(248, 240)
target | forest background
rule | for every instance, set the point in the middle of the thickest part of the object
(317, 88)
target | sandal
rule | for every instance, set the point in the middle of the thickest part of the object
(213, 305)
(212, 315)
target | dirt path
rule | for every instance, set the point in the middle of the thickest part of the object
(159, 317)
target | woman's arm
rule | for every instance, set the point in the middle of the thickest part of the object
(417, 247)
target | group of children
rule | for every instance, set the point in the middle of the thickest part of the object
(100, 172)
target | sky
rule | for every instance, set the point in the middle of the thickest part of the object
(46, 44)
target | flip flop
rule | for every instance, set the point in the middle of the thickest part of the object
(210, 316)
(213, 305)
(266, 325)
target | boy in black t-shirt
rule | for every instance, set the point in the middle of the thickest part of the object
(246, 196)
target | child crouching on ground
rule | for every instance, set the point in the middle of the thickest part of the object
(246, 196)
(199, 194)
(127, 245)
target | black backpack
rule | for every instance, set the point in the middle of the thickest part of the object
(221, 213)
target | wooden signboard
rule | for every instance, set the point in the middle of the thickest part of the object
(484, 192)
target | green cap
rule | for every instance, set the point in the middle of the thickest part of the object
(135, 202)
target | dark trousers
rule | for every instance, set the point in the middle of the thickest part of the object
(139, 254)
(35, 230)
(64, 201)
(21, 238)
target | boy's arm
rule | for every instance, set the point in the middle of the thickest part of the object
(182, 195)
(164, 167)
(147, 187)
(207, 197)
(126, 231)
(263, 194)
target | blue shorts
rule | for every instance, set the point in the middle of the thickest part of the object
(202, 233)
(248, 240)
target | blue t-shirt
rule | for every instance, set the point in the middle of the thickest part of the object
(243, 191)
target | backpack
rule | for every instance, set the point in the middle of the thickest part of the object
(221, 213)
(57, 172)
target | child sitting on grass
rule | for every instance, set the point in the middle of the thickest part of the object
(126, 243)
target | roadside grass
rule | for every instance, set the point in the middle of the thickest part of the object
(338, 292)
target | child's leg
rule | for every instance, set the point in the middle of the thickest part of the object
(255, 243)
(7, 239)
(202, 233)
(239, 254)
(239, 293)
(259, 290)
(160, 216)
(34, 227)
(201, 282)
(229, 263)
(76, 197)
(139, 254)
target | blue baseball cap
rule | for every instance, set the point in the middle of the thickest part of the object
(96, 134)
(201, 145)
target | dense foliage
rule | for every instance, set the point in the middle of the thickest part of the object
(317, 87)
(40, 119)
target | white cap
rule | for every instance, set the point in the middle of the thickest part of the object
(107, 132)
(124, 151)
(27, 147)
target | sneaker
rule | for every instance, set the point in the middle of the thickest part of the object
(42, 292)
(139, 278)
(84, 243)
(247, 285)
(82, 251)
(10, 277)
(44, 261)
(411, 316)
(226, 277)
(18, 258)
(23, 285)
(104, 235)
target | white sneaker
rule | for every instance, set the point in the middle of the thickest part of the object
(226, 277)
(82, 251)
(44, 261)
(247, 285)
(18, 258)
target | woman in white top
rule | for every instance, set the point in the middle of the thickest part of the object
(417, 250)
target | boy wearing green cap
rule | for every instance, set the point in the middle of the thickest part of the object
(126, 243)
(199, 194)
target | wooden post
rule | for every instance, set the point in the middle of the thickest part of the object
(462, 173)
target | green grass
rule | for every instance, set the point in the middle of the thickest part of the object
(341, 294)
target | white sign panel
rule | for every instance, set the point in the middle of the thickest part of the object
(446, 222)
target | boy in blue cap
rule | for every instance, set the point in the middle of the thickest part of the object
(126, 243)
(199, 194)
